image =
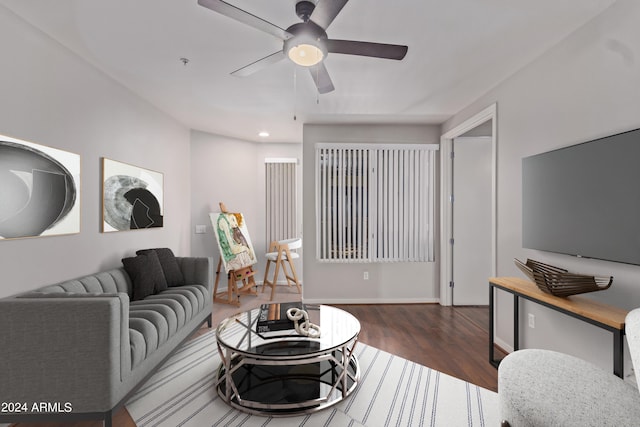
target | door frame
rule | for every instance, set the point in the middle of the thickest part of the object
(446, 189)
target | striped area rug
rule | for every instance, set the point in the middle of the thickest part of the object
(392, 392)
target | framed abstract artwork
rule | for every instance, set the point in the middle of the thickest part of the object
(39, 190)
(233, 239)
(132, 197)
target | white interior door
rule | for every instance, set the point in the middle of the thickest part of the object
(472, 228)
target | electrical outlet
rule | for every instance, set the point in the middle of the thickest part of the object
(365, 275)
(201, 229)
(532, 321)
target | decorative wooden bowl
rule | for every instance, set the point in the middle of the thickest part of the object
(559, 282)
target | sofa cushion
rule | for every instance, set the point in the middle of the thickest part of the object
(167, 324)
(170, 267)
(199, 292)
(146, 275)
(191, 297)
(178, 310)
(138, 346)
(158, 317)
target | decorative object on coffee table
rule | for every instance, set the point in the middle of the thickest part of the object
(273, 317)
(301, 323)
(559, 282)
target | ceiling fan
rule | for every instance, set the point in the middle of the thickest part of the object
(306, 43)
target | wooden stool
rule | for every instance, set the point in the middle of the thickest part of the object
(280, 254)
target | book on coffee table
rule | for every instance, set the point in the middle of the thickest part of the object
(273, 317)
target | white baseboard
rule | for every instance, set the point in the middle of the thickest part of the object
(503, 345)
(370, 300)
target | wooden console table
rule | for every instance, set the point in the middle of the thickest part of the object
(593, 312)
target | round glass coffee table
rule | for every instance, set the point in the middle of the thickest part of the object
(287, 374)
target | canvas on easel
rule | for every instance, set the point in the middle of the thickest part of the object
(233, 239)
(236, 254)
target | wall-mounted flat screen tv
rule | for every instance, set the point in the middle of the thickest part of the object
(584, 200)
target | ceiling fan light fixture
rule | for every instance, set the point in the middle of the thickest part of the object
(306, 54)
(305, 50)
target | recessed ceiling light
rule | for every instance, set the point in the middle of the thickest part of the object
(263, 134)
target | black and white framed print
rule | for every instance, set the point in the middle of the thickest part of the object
(39, 190)
(132, 197)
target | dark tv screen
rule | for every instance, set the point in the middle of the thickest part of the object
(584, 200)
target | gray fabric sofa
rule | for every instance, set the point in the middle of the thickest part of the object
(82, 346)
(547, 388)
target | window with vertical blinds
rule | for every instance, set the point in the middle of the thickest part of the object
(375, 203)
(280, 200)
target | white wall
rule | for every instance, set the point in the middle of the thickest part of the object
(343, 282)
(52, 97)
(228, 170)
(587, 87)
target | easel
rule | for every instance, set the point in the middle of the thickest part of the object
(233, 292)
(242, 275)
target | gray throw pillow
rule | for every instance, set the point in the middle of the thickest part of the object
(146, 275)
(170, 267)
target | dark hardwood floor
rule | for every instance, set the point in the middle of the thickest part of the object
(452, 340)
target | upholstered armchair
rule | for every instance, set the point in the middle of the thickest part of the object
(547, 388)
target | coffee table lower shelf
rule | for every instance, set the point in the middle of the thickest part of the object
(277, 387)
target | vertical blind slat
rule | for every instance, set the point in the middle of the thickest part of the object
(325, 184)
(360, 241)
(349, 196)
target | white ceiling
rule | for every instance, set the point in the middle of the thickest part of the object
(458, 50)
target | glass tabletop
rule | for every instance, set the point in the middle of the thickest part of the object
(239, 333)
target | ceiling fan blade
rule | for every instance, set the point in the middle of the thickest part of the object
(245, 17)
(326, 11)
(259, 64)
(376, 50)
(321, 78)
